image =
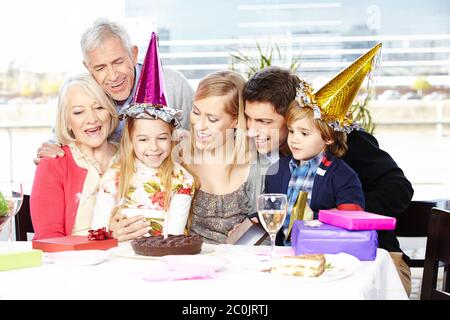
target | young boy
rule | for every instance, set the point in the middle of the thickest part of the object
(314, 166)
(386, 189)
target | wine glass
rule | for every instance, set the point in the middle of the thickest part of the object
(272, 208)
(11, 199)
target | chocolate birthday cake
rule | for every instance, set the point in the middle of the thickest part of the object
(173, 245)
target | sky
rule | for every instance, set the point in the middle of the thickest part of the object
(44, 35)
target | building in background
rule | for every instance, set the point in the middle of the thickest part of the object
(198, 36)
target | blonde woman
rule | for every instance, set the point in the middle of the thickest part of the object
(64, 188)
(219, 157)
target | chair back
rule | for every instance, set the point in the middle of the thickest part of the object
(22, 220)
(437, 251)
(413, 222)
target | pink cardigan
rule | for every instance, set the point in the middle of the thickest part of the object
(57, 186)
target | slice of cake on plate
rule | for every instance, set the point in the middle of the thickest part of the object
(305, 265)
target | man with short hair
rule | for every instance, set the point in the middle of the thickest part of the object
(112, 60)
(267, 95)
(387, 191)
(110, 57)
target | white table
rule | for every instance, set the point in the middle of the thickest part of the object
(122, 278)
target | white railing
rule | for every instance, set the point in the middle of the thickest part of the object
(11, 147)
(20, 141)
(408, 56)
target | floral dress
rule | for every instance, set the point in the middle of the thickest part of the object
(145, 197)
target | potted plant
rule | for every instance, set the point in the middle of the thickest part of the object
(360, 112)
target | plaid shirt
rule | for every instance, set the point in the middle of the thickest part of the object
(302, 179)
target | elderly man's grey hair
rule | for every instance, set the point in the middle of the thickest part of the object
(101, 30)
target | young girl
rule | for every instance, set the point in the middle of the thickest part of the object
(146, 181)
(315, 166)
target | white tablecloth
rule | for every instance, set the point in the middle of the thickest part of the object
(122, 278)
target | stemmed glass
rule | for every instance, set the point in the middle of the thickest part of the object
(272, 208)
(10, 203)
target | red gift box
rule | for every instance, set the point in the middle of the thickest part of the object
(73, 243)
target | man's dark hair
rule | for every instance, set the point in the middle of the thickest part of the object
(274, 85)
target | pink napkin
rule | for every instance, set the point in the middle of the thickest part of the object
(278, 251)
(164, 274)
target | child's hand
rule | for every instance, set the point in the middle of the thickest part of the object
(124, 228)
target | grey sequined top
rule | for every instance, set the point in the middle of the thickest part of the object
(213, 216)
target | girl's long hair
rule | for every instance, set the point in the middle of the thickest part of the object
(127, 167)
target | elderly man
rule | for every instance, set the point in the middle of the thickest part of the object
(111, 58)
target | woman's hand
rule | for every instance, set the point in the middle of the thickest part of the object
(254, 220)
(124, 228)
(233, 229)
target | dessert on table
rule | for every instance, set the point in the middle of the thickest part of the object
(172, 245)
(304, 265)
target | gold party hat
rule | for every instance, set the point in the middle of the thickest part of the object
(335, 98)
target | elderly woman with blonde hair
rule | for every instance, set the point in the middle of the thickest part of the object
(64, 188)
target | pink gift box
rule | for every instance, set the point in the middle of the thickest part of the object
(357, 220)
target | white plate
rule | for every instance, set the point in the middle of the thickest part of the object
(203, 263)
(126, 251)
(77, 258)
(341, 265)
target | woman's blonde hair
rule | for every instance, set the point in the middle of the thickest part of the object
(63, 133)
(339, 145)
(127, 167)
(230, 86)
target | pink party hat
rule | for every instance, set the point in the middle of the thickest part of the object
(150, 89)
(150, 98)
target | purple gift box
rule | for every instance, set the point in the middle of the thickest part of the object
(331, 239)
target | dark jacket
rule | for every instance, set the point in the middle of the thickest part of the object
(336, 185)
(386, 189)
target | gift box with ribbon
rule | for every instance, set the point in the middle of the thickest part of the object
(96, 240)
